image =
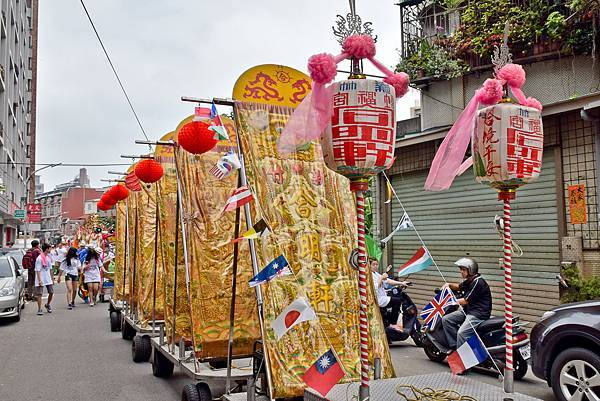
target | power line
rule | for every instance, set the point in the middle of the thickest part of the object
(114, 70)
(74, 164)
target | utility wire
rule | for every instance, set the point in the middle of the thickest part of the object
(114, 70)
(74, 164)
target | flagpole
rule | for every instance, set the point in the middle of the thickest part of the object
(255, 267)
(233, 293)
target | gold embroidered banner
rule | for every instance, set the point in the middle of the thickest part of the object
(144, 263)
(312, 214)
(167, 189)
(119, 283)
(132, 233)
(210, 256)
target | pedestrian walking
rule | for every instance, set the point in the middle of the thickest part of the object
(44, 278)
(91, 274)
(28, 263)
(70, 267)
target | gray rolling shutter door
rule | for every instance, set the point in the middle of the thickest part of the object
(459, 221)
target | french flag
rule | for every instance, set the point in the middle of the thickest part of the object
(421, 260)
(470, 354)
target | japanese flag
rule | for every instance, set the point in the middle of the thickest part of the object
(297, 312)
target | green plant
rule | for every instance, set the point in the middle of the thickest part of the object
(580, 289)
(434, 61)
(555, 25)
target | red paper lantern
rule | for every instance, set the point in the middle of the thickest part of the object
(102, 206)
(196, 138)
(119, 192)
(108, 200)
(149, 171)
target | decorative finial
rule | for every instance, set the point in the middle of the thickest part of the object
(352, 25)
(502, 55)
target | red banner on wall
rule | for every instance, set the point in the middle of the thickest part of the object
(577, 207)
(34, 212)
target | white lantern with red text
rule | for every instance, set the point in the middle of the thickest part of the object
(507, 146)
(359, 142)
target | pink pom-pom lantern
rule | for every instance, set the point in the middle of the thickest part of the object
(322, 68)
(513, 75)
(533, 102)
(359, 46)
(491, 92)
(400, 83)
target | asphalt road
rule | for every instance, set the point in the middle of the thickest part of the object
(72, 355)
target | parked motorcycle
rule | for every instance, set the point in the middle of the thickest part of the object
(493, 336)
(410, 318)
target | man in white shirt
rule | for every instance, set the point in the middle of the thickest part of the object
(383, 299)
(44, 277)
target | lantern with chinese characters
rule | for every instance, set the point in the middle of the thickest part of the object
(359, 141)
(507, 146)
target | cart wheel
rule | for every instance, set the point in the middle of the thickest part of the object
(141, 349)
(127, 332)
(190, 393)
(115, 321)
(161, 366)
(204, 391)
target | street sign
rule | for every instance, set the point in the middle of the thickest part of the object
(19, 214)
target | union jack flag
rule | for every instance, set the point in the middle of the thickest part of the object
(435, 309)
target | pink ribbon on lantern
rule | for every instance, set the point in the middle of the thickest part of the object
(314, 113)
(448, 161)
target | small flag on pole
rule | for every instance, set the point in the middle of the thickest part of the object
(421, 260)
(325, 373)
(225, 166)
(260, 229)
(201, 113)
(404, 224)
(277, 268)
(238, 198)
(219, 128)
(295, 313)
(470, 354)
(435, 309)
(389, 192)
(132, 182)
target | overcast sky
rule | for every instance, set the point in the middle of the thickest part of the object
(163, 50)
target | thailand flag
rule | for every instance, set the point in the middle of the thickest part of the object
(278, 267)
(470, 354)
(295, 313)
(324, 373)
(435, 309)
(421, 260)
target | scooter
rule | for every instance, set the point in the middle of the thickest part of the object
(410, 321)
(493, 336)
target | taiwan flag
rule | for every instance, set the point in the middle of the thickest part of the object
(324, 374)
(297, 312)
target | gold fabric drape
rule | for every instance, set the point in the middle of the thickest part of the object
(131, 248)
(144, 263)
(119, 284)
(167, 189)
(210, 252)
(312, 214)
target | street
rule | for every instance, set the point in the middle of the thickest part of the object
(72, 355)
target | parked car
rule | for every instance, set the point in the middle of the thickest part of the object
(17, 255)
(12, 289)
(565, 351)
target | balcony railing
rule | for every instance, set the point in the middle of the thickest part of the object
(443, 39)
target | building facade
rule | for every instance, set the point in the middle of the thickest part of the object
(16, 27)
(460, 221)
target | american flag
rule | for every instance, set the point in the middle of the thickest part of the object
(435, 309)
(238, 198)
(218, 172)
(132, 182)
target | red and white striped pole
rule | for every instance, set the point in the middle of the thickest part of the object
(358, 187)
(508, 313)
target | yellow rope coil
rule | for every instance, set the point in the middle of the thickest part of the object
(429, 394)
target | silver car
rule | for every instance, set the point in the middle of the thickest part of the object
(12, 289)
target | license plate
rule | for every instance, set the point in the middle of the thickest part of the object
(525, 352)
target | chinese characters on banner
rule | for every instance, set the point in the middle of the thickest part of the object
(577, 207)
(360, 139)
(507, 145)
(34, 213)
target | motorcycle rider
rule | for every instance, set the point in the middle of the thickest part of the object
(383, 299)
(476, 304)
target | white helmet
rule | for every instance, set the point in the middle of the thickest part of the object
(469, 264)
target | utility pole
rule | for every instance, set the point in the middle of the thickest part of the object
(32, 124)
